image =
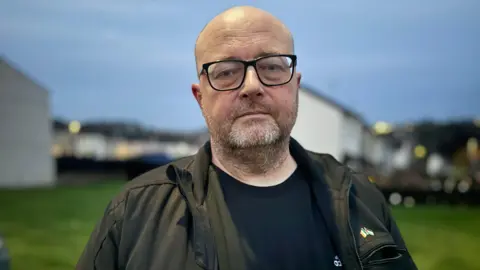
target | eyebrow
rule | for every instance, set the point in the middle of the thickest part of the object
(261, 54)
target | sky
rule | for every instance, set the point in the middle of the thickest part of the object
(395, 61)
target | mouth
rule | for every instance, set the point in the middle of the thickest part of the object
(253, 114)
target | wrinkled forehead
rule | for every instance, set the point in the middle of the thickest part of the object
(245, 41)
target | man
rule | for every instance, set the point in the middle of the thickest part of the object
(252, 197)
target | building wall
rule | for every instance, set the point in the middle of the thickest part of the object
(63, 144)
(26, 136)
(318, 126)
(379, 152)
(402, 158)
(100, 147)
(180, 149)
(90, 145)
(118, 149)
(383, 152)
(352, 130)
(368, 144)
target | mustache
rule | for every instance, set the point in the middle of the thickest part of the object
(252, 108)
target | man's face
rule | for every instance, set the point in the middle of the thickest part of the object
(271, 110)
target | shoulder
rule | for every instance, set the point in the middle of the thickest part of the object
(362, 186)
(369, 194)
(155, 185)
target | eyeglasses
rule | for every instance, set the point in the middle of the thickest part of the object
(272, 70)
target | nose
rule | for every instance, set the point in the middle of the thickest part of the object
(252, 87)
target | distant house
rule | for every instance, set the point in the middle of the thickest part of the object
(403, 156)
(369, 143)
(25, 136)
(118, 141)
(384, 150)
(319, 124)
(353, 144)
(326, 126)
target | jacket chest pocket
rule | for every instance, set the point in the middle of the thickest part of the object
(380, 252)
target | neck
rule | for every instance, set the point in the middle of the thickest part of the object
(256, 166)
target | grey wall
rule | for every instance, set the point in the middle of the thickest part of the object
(319, 124)
(25, 131)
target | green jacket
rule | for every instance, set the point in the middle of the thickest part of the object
(174, 217)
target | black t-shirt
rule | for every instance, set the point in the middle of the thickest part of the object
(280, 226)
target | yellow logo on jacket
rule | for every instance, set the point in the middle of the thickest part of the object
(364, 232)
(371, 179)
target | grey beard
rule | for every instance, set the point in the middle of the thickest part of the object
(255, 159)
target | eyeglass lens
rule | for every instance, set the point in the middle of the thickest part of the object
(272, 70)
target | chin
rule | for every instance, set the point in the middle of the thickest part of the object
(256, 136)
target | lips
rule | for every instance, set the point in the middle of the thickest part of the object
(252, 113)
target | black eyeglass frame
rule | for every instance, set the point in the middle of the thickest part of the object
(247, 64)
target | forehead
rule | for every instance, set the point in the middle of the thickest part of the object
(245, 41)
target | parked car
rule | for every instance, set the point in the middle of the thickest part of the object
(4, 257)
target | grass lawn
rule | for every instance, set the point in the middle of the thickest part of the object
(47, 229)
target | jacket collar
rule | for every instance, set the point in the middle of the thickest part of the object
(317, 166)
(322, 170)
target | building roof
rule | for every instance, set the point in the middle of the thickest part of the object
(13, 66)
(347, 111)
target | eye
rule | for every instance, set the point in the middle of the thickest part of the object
(225, 73)
(225, 70)
(272, 67)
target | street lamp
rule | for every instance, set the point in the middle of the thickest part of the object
(74, 127)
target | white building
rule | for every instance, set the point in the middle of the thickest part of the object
(368, 145)
(403, 157)
(352, 139)
(383, 154)
(89, 145)
(25, 133)
(106, 143)
(319, 124)
(325, 126)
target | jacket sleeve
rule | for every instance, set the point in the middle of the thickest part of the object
(397, 237)
(101, 250)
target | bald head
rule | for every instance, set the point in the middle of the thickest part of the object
(240, 24)
(230, 89)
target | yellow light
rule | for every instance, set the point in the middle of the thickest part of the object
(382, 127)
(74, 127)
(57, 150)
(122, 151)
(371, 179)
(476, 122)
(420, 151)
(472, 147)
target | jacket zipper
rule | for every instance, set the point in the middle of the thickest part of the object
(195, 215)
(352, 234)
(345, 211)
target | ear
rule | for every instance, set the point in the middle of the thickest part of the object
(197, 94)
(299, 78)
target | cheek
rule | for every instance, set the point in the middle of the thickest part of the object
(287, 100)
(218, 107)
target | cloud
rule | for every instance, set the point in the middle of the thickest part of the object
(406, 10)
(82, 19)
(361, 64)
(119, 8)
(133, 55)
(95, 43)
